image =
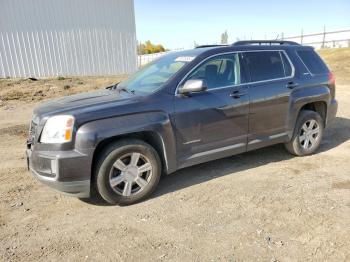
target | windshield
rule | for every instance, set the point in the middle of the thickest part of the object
(154, 75)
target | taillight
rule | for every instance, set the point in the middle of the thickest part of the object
(331, 78)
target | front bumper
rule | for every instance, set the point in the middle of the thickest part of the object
(332, 111)
(65, 171)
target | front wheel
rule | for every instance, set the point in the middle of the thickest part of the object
(127, 172)
(307, 135)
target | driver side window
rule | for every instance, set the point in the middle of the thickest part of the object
(219, 71)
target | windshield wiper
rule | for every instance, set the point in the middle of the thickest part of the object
(126, 90)
(112, 87)
(115, 87)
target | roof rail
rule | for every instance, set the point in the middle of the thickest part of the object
(265, 42)
(204, 46)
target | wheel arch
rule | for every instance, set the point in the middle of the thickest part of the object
(314, 98)
(152, 138)
(319, 107)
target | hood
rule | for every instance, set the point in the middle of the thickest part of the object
(82, 101)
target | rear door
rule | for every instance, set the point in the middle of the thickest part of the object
(213, 123)
(271, 83)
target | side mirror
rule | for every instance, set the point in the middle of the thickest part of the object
(193, 86)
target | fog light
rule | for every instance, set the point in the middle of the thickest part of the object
(54, 166)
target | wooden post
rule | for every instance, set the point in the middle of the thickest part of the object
(302, 36)
(324, 37)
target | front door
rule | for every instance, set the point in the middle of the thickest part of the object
(213, 123)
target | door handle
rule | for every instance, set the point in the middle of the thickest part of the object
(291, 85)
(237, 94)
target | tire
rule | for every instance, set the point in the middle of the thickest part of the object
(118, 176)
(306, 138)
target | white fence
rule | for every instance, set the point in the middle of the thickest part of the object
(145, 59)
(326, 39)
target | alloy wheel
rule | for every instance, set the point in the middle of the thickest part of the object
(309, 134)
(130, 174)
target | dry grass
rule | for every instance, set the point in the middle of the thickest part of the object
(29, 90)
(338, 59)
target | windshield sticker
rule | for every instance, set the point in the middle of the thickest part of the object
(184, 59)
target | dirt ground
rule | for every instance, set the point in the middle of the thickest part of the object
(260, 206)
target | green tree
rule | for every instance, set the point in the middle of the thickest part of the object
(149, 48)
(159, 48)
(224, 38)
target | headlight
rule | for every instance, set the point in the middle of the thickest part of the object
(58, 129)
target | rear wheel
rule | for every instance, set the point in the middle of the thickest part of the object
(307, 135)
(127, 172)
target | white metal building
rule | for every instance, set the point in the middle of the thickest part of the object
(44, 38)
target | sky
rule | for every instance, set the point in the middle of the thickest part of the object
(180, 23)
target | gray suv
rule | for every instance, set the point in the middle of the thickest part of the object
(183, 109)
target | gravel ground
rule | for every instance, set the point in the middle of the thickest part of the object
(260, 206)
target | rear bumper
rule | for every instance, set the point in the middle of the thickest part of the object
(65, 171)
(332, 111)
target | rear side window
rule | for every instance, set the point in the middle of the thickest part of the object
(313, 62)
(266, 65)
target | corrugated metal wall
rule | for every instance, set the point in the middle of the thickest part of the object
(43, 38)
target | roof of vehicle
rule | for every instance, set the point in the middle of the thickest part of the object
(257, 45)
(208, 50)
